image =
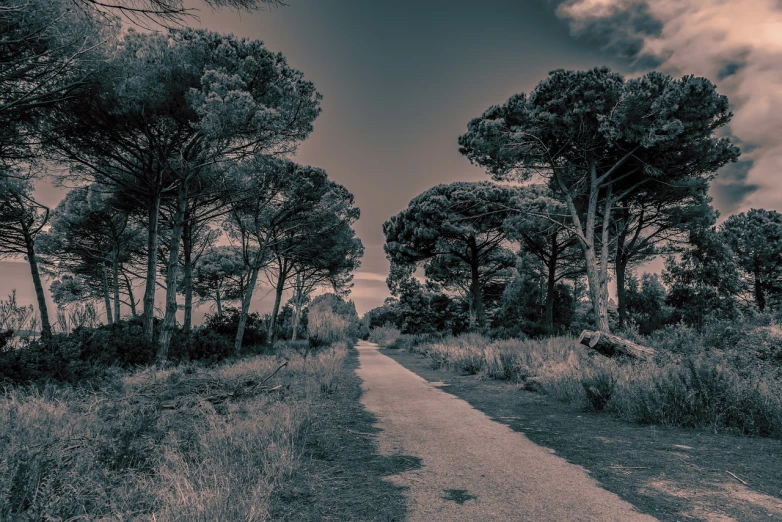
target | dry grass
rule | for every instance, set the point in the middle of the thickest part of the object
(707, 390)
(180, 444)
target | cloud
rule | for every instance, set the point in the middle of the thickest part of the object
(369, 276)
(737, 44)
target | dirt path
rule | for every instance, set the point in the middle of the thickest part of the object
(473, 468)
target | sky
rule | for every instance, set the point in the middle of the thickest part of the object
(400, 80)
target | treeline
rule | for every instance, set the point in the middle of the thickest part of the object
(174, 144)
(607, 174)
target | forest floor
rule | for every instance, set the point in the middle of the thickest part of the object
(672, 474)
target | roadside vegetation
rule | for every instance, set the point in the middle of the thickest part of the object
(726, 377)
(92, 428)
(187, 443)
(602, 174)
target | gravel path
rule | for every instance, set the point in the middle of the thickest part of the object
(472, 468)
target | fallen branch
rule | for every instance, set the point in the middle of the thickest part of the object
(735, 477)
(610, 345)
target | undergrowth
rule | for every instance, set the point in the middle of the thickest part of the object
(188, 443)
(702, 382)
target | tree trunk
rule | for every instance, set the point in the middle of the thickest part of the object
(246, 299)
(550, 284)
(599, 306)
(283, 275)
(621, 290)
(169, 319)
(131, 297)
(151, 282)
(106, 296)
(475, 284)
(297, 299)
(610, 345)
(760, 295)
(620, 267)
(219, 303)
(46, 327)
(187, 273)
(115, 278)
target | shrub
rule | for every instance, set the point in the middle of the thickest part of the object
(733, 384)
(384, 335)
(226, 325)
(84, 354)
(203, 345)
(599, 387)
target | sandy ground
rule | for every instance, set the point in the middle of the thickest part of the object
(473, 468)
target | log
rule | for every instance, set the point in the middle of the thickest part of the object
(610, 345)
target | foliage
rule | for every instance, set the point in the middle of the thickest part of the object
(598, 139)
(203, 345)
(704, 283)
(332, 319)
(85, 354)
(524, 301)
(383, 335)
(756, 238)
(646, 306)
(45, 52)
(219, 276)
(456, 232)
(227, 324)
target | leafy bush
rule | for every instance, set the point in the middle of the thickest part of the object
(203, 345)
(226, 325)
(84, 354)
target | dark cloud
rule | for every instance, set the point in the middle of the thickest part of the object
(729, 69)
(731, 188)
(620, 32)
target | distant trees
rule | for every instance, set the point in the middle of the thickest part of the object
(284, 207)
(220, 276)
(456, 233)
(91, 238)
(21, 221)
(704, 282)
(756, 238)
(331, 319)
(543, 228)
(598, 140)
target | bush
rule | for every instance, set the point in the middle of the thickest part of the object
(203, 345)
(226, 325)
(599, 387)
(409, 342)
(384, 335)
(86, 353)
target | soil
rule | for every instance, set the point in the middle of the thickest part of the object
(672, 474)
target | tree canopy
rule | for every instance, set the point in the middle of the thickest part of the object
(456, 233)
(597, 139)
